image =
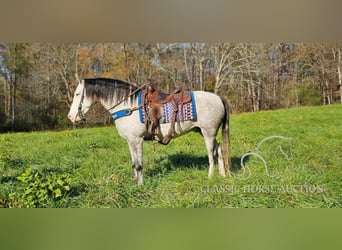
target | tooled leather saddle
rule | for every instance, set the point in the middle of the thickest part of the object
(153, 100)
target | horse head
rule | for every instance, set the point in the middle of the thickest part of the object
(80, 103)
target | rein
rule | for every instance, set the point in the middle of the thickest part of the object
(125, 99)
(80, 113)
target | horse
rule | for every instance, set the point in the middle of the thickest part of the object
(120, 97)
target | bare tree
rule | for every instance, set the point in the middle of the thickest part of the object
(15, 69)
(336, 50)
(63, 59)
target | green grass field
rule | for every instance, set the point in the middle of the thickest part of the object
(91, 167)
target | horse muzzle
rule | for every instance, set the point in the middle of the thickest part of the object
(76, 118)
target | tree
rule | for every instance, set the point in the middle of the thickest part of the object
(134, 62)
(15, 66)
(320, 62)
(336, 50)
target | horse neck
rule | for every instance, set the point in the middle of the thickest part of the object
(115, 104)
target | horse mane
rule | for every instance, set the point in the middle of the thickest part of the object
(107, 88)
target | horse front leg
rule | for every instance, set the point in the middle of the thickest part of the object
(136, 148)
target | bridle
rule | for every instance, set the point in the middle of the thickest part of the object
(80, 112)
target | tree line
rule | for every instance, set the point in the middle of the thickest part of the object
(37, 80)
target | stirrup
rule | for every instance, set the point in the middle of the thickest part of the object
(166, 139)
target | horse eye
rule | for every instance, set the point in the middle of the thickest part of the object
(77, 94)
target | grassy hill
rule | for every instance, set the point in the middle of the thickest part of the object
(91, 167)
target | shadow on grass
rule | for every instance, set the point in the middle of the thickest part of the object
(169, 163)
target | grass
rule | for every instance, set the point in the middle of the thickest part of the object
(98, 163)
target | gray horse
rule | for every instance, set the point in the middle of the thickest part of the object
(121, 98)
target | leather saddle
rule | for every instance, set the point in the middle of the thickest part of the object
(178, 95)
(153, 101)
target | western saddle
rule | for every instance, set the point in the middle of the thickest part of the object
(153, 101)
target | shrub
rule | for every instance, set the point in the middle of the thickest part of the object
(38, 190)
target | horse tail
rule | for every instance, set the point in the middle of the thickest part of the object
(225, 138)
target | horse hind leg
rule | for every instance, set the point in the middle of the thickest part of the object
(210, 145)
(214, 154)
(219, 159)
